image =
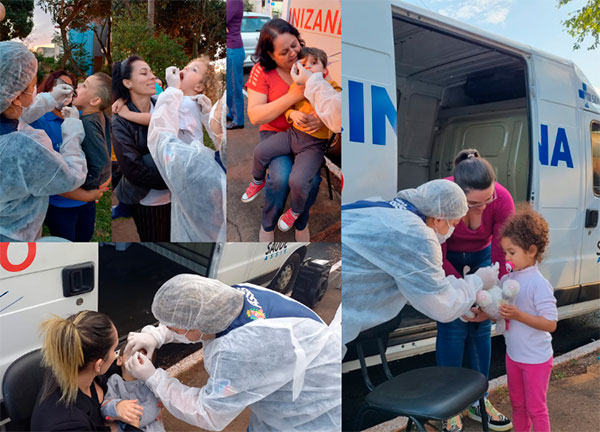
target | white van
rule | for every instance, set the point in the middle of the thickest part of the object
(38, 280)
(419, 87)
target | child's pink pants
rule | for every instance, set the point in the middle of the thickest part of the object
(527, 387)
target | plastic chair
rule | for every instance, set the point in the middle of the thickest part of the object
(22, 381)
(431, 393)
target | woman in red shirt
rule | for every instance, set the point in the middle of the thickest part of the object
(268, 98)
(474, 243)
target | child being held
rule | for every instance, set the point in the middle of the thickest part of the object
(533, 317)
(124, 393)
(308, 147)
(200, 85)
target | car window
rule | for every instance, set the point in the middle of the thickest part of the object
(253, 24)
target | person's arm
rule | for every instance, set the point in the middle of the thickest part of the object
(42, 104)
(96, 151)
(130, 159)
(81, 194)
(261, 112)
(326, 99)
(537, 322)
(503, 208)
(447, 265)
(545, 307)
(135, 117)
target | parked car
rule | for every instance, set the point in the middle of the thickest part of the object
(252, 22)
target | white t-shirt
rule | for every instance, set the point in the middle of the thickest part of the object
(524, 344)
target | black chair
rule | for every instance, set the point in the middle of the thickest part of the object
(430, 393)
(334, 141)
(22, 381)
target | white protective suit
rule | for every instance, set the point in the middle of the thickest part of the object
(390, 257)
(32, 171)
(196, 181)
(326, 101)
(285, 370)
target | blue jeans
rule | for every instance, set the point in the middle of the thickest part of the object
(277, 190)
(72, 223)
(467, 344)
(235, 84)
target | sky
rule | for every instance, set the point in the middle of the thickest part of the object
(533, 22)
(537, 23)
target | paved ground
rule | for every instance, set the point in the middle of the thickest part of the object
(243, 220)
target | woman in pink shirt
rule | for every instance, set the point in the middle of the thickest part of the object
(475, 243)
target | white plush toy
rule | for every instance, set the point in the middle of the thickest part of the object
(490, 301)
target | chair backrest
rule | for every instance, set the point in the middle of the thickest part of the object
(22, 381)
(375, 341)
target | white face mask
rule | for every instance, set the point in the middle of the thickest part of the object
(443, 237)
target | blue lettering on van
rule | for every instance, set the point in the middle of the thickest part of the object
(382, 109)
(561, 151)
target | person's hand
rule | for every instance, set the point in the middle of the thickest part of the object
(313, 124)
(130, 412)
(140, 367)
(104, 186)
(203, 102)
(299, 118)
(299, 74)
(510, 312)
(479, 315)
(172, 76)
(296, 93)
(69, 112)
(61, 92)
(139, 341)
(488, 275)
(92, 195)
(118, 105)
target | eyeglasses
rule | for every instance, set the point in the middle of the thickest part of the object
(484, 203)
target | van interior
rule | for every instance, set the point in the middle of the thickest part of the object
(455, 94)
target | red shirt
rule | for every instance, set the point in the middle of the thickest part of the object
(465, 239)
(272, 85)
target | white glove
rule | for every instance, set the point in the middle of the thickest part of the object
(299, 74)
(172, 76)
(138, 341)
(140, 367)
(204, 102)
(69, 112)
(488, 275)
(62, 92)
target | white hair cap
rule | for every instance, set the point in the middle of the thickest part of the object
(440, 199)
(18, 67)
(193, 302)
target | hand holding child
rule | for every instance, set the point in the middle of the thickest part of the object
(130, 412)
(118, 105)
(172, 76)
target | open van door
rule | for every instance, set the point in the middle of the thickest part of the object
(590, 243)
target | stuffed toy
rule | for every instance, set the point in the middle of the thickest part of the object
(490, 301)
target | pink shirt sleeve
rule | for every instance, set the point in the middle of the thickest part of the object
(447, 265)
(504, 207)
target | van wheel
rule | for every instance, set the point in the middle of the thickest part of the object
(285, 278)
(311, 283)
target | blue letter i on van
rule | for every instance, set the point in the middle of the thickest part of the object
(561, 151)
(356, 102)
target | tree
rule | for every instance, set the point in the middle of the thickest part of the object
(19, 20)
(584, 23)
(132, 35)
(98, 13)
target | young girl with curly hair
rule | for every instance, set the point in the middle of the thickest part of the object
(532, 318)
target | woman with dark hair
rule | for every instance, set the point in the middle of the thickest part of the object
(277, 50)
(475, 243)
(78, 352)
(70, 215)
(141, 186)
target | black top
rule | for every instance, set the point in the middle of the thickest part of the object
(130, 141)
(83, 415)
(96, 146)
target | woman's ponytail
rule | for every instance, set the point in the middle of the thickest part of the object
(472, 172)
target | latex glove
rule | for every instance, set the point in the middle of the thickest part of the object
(299, 74)
(140, 367)
(172, 76)
(204, 102)
(139, 341)
(62, 92)
(489, 275)
(69, 112)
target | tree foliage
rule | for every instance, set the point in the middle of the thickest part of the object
(133, 35)
(584, 23)
(18, 22)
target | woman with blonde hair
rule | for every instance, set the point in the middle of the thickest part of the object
(77, 352)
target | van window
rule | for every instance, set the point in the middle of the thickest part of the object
(595, 135)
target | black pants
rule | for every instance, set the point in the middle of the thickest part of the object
(153, 223)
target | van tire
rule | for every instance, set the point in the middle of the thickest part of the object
(284, 280)
(311, 283)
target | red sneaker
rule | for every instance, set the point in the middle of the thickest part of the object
(287, 220)
(252, 191)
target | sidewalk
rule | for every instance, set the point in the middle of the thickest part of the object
(243, 220)
(573, 395)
